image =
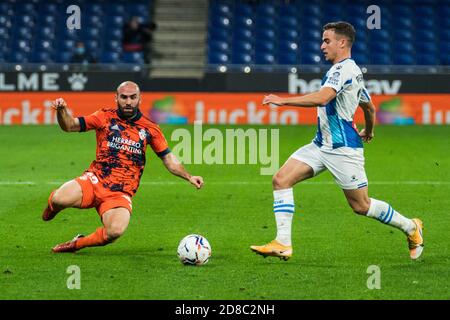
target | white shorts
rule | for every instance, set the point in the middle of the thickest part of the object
(345, 164)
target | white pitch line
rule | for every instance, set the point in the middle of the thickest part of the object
(162, 183)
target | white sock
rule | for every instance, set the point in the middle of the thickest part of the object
(383, 212)
(283, 207)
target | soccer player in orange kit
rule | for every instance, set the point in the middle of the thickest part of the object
(111, 181)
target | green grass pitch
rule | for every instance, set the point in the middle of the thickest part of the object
(409, 167)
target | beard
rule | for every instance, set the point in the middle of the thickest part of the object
(127, 111)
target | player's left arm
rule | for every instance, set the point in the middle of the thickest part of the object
(319, 98)
(367, 133)
(176, 168)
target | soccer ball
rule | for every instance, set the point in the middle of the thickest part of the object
(194, 249)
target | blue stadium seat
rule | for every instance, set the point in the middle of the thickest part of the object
(48, 9)
(219, 46)
(133, 57)
(223, 35)
(115, 9)
(23, 33)
(427, 59)
(220, 22)
(242, 46)
(356, 10)
(426, 47)
(243, 9)
(310, 46)
(265, 10)
(264, 46)
(288, 34)
(288, 58)
(286, 10)
(241, 58)
(310, 58)
(22, 8)
(265, 23)
(445, 35)
(310, 22)
(311, 10)
(288, 46)
(424, 23)
(402, 23)
(311, 35)
(220, 9)
(19, 57)
(264, 58)
(66, 44)
(359, 46)
(381, 58)
(46, 33)
(403, 59)
(47, 21)
(218, 58)
(90, 33)
(110, 57)
(425, 35)
(45, 45)
(403, 48)
(361, 59)
(42, 56)
(380, 47)
(379, 35)
(63, 56)
(402, 11)
(240, 22)
(288, 23)
(113, 45)
(113, 34)
(402, 35)
(94, 9)
(445, 59)
(4, 33)
(266, 34)
(95, 21)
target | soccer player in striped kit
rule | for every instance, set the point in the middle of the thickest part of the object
(338, 147)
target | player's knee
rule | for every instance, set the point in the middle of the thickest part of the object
(115, 231)
(279, 182)
(58, 200)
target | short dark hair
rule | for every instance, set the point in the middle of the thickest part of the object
(342, 28)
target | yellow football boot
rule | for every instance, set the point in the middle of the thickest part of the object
(273, 249)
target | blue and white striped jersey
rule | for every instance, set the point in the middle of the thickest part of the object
(335, 126)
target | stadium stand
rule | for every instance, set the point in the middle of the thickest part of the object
(30, 30)
(240, 32)
(273, 32)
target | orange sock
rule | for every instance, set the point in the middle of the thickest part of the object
(98, 238)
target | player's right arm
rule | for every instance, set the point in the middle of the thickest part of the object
(65, 120)
(367, 133)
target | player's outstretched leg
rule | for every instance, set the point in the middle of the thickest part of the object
(289, 174)
(67, 196)
(115, 222)
(382, 211)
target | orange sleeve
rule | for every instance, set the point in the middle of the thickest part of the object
(158, 142)
(92, 121)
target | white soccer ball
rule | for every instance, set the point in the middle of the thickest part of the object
(194, 249)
